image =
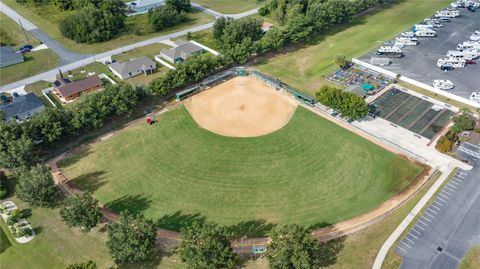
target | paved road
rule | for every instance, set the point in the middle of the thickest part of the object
(82, 61)
(450, 225)
(66, 55)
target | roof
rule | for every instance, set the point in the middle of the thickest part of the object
(266, 26)
(80, 86)
(21, 104)
(145, 3)
(367, 86)
(61, 81)
(7, 54)
(182, 50)
(123, 68)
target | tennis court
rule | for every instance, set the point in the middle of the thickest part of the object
(413, 113)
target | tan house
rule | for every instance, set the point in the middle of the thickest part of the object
(68, 91)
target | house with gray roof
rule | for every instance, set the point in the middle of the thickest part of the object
(142, 6)
(133, 67)
(181, 52)
(22, 107)
(8, 56)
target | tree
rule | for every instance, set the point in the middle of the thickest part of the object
(64, 4)
(82, 265)
(16, 149)
(81, 211)
(205, 246)
(218, 27)
(180, 5)
(165, 16)
(94, 23)
(132, 239)
(444, 144)
(464, 121)
(49, 126)
(292, 247)
(36, 186)
(341, 61)
(349, 104)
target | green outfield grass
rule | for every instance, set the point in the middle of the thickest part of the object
(231, 6)
(310, 172)
(306, 67)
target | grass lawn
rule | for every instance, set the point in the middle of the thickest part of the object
(47, 18)
(11, 33)
(177, 172)
(472, 259)
(150, 51)
(35, 62)
(231, 6)
(305, 67)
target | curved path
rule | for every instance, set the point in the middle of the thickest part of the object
(244, 245)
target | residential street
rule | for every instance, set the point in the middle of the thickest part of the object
(71, 60)
(66, 56)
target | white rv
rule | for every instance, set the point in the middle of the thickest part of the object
(475, 36)
(426, 33)
(443, 84)
(469, 45)
(447, 13)
(420, 27)
(408, 34)
(455, 63)
(466, 54)
(390, 51)
(407, 41)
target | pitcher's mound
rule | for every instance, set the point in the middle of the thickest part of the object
(241, 107)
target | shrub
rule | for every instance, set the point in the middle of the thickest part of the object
(444, 144)
(15, 215)
(464, 122)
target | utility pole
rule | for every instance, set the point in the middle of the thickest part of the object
(25, 33)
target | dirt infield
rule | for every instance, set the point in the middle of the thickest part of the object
(241, 107)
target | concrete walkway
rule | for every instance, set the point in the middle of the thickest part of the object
(410, 217)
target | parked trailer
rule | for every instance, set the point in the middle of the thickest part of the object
(426, 33)
(447, 13)
(455, 63)
(420, 27)
(469, 45)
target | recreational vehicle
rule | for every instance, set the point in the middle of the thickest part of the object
(469, 45)
(455, 63)
(390, 51)
(420, 27)
(475, 36)
(408, 34)
(447, 13)
(466, 54)
(407, 41)
(443, 84)
(426, 33)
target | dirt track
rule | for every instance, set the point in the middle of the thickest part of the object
(241, 107)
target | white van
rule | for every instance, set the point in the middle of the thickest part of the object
(426, 33)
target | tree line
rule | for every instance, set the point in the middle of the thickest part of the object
(347, 103)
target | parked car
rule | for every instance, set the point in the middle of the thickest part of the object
(27, 46)
(4, 99)
(24, 50)
(15, 95)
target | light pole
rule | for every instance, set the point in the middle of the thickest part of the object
(26, 37)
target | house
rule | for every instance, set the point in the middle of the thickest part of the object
(8, 56)
(143, 6)
(22, 107)
(69, 91)
(266, 26)
(181, 52)
(133, 67)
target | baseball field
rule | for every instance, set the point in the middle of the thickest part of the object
(309, 171)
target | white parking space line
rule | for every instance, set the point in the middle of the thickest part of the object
(457, 179)
(456, 183)
(433, 211)
(438, 203)
(446, 192)
(413, 236)
(471, 145)
(418, 226)
(409, 240)
(441, 199)
(426, 225)
(402, 249)
(413, 229)
(436, 207)
(444, 196)
(425, 218)
(429, 214)
(451, 186)
(405, 244)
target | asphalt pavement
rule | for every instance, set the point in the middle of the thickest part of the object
(66, 56)
(450, 225)
(420, 62)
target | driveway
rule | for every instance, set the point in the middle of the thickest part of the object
(66, 55)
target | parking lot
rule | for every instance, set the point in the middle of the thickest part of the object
(420, 62)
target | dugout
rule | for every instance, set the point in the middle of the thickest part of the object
(186, 93)
(300, 96)
(241, 71)
(213, 80)
(274, 83)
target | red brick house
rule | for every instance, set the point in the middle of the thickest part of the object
(68, 91)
